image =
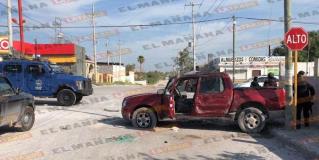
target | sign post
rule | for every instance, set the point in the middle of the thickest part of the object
(296, 39)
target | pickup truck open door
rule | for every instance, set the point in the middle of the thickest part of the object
(168, 99)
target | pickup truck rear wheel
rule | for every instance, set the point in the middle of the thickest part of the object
(144, 118)
(251, 120)
(27, 119)
(66, 97)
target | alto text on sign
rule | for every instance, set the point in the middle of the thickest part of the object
(296, 39)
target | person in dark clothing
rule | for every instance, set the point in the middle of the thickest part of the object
(271, 81)
(254, 83)
(305, 94)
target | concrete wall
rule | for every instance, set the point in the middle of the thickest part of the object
(302, 66)
(118, 72)
(316, 69)
(144, 83)
(130, 77)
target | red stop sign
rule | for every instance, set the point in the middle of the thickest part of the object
(296, 39)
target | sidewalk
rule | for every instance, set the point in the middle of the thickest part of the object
(306, 140)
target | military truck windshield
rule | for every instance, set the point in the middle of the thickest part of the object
(56, 68)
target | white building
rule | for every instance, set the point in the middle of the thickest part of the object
(118, 71)
(249, 66)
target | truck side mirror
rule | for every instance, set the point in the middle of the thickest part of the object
(160, 91)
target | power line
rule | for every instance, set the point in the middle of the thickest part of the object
(35, 20)
(125, 26)
(168, 24)
(276, 20)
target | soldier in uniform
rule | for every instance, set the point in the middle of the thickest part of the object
(305, 94)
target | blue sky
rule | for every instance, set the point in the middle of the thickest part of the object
(140, 42)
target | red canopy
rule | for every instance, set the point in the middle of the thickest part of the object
(46, 49)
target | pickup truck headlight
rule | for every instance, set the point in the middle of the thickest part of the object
(79, 85)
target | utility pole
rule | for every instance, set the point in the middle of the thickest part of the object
(120, 59)
(36, 47)
(55, 30)
(120, 52)
(308, 57)
(21, 20)
(108, 56)
(234, 46)
(290, 111)
(269, 51)
(57, 34)
(94, 41)
(10, 27)
(192, 4)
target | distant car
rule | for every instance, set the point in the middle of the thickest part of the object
(261, 80)
(16, 108)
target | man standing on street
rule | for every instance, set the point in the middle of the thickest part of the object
(305, 94)
(271, 81)
(254, 83)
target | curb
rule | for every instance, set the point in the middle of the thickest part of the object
(308, 151)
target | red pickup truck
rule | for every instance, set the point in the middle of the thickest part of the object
(204, 96)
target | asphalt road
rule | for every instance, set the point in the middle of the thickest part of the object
(94, 129)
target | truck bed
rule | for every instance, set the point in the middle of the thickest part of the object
(271, 98)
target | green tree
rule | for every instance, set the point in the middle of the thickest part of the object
(303, 55)
(184, 61)
(141, 60)
(129, 67)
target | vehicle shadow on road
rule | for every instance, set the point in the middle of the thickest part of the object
(215, 125)
(46, 103)
(7, 129)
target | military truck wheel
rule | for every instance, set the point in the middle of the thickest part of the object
(78, 98)
(144, 118)
(251, 120)
(27, 119)
(66, 97)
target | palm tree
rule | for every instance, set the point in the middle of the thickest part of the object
(141, 60)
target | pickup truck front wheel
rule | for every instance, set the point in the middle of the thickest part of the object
(27, 119)
(144, 118)
(251, 120)
(66, 97)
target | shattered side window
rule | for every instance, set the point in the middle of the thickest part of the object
(211, 85)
